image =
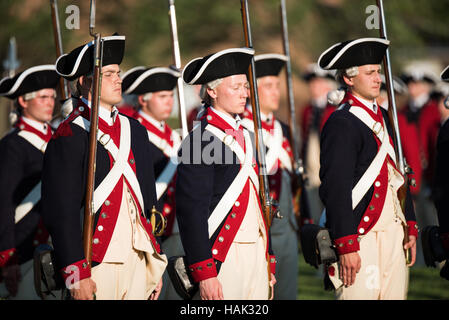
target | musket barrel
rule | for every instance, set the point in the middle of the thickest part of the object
(58, 45)
(90, 179)
(264, 187)
(291, 99)
(390, 90)
(177, 58)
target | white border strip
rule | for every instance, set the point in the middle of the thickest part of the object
(45, 67)
(346, 47)
(215, 56)
(150, 72)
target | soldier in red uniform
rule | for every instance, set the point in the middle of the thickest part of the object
(420, 116)
(313, 117)
(153, 88)
(21, 159)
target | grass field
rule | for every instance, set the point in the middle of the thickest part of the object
(425, 284)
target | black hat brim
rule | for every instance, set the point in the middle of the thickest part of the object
(445, 74)
(218, 65)
(141, 80)
(80, 61)
(30, 80)
(269, 64)
(354, 53)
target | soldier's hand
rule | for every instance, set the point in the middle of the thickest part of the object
(349, 266)
(11, 275)
(211, 289)
(411, 244)
(157, 291)
(84, 289)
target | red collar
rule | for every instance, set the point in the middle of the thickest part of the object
(22, 125)
(353, 101)
(165, 135)
(248, 114)
(215, 120)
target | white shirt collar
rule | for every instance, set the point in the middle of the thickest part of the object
(419, 101)
(107, 116)
(268, 118)
(40, 126)
(369, 104)
(233, 122)
(320, 102)
(158, 124)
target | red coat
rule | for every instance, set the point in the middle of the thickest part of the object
(411, 150)
(306, 121)
(427, 126)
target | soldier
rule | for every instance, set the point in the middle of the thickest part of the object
(441, 184)
(422, 112)
(409, 133)
(21, 157)
(314, 115)
(360, 181)
(279, 160)
(217, 205)
(126, 259)
(154, 90)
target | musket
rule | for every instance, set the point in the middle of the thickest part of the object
(393, 119)
(63, 84)
(298, 163)
(177, 58)
(90, 180)
(268, 208)
(11, 64)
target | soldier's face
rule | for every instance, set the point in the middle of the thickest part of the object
(269, 92)
(231, 94)
(111, 85)
(41, 107)
(159, 105)
(367, 83)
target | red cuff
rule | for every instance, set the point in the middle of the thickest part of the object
(347, 244)
(8, 257)
(412, 228)
(203, 270)
(273, 264)
(445, 240)
(75, 272)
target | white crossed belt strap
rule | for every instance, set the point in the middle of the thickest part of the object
(165, 177)
(370, 175)
(34, 195)
(236, 187)
(121, 165)
(274, 145)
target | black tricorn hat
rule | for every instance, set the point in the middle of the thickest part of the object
(141, 80)
(353, 53)
(315, 71)
(29, 80)
(269, 64)
(418, 74)
(445, 74)
(222, 64)
(79, 61)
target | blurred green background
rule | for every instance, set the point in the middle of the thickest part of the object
(417, 30)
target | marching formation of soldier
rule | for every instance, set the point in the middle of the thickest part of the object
(112, 203)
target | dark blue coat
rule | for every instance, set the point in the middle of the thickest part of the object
(64, 185)
(348, 147)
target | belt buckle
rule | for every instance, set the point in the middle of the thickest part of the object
(103, 137)
(377, 128)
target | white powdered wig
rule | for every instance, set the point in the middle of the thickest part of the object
(335, 97)
(210, 85)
